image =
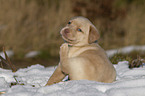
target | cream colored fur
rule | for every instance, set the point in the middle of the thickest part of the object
(80, 57)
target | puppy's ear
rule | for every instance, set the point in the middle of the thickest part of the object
(93, 34)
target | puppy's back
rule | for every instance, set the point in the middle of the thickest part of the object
(104, 70)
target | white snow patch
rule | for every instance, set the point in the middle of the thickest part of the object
(129, 82)
(32, 54)
(125, 50)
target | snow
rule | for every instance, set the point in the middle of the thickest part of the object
(129, 82)
(125, 50)
(32, 54)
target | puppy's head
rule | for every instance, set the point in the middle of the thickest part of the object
(79, 31)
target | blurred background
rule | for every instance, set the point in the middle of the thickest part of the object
(34, 25)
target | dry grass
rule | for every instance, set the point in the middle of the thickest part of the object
(30, 25)
(131, 57)
(27, 25)
(134, 26)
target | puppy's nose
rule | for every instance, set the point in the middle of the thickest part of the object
(66, 31)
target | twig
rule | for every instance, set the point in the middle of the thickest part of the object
(3, 60)
(16, 79)
(7, 61)
(1, 64)
(7, 58)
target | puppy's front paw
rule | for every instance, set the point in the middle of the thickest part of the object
(64, 51)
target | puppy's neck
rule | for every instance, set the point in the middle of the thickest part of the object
(76, 50)
(81, 45)
(77, 45)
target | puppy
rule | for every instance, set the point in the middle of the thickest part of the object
(80, 57)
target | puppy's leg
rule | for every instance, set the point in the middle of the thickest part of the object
(64, 58)
(56, 77)
(59, 73)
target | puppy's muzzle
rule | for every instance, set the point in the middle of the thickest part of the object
(66, 32)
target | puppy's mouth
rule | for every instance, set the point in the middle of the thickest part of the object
(71, 42)
(66, 39)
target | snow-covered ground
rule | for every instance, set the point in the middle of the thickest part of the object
(129, 82)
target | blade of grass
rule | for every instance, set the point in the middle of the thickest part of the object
(9, 62)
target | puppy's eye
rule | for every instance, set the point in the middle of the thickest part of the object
(69, 22)
(80, 30)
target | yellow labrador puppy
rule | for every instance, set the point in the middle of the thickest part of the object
(81, 58)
